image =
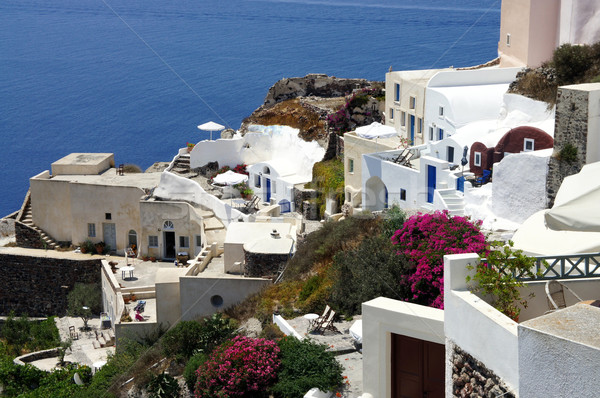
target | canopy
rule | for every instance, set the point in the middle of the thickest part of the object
(211, 126)
(577, 204)
(376, 130)
(230, 178)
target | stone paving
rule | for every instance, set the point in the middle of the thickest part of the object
(342, 343)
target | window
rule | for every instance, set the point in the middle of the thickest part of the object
(92, 230)
(108, 216)
(508, 39)
(419, 126)
(391, 113)
(402, 118)
(184, 241)
(198, 241)
(397, 92)
(477, 159)
(274, 186)
(450, 154)
(430, 133)
(528, 145)
(403, 194)
(257, 180)
(413, 103)
(132, 238)
(441, 111)
(440, 134)
(351, 165)
(168, 225)
(152, 241)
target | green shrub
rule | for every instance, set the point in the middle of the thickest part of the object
(271, 332)
(84, 301)
(310, 286)
(131, 168)
(568, 153)
(188, 337)
(371, 270)
(189, 373)
(17, 379)
(163, 386)
(497, 277)
(304, 365)
(571, 63)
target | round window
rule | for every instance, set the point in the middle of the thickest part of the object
(216, 300)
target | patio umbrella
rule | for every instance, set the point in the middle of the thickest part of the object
(230, 178)
(376, 130)
(211, 126)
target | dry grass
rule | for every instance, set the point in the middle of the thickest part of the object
(534, 85)
(291, 113)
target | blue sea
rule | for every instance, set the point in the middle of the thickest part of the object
(135, 77)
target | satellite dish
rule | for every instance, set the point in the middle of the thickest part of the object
(77, 379)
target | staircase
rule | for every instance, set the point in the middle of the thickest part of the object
(181, 164)
(453, 201)
(25, 216)
(213, 227)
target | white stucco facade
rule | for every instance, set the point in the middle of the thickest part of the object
(382, 317)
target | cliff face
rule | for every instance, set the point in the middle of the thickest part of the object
(307, 103)
(315, 85)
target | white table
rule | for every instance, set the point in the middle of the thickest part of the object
(311, 320)
(124, 270)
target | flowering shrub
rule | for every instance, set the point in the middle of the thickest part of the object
(425, 239)
(242, 367)
(341, 121)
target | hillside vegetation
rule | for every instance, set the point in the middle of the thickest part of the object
(570, 64)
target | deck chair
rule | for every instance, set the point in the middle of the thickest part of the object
(328, 324)
(251, 204)
(317, 323)
(401, 156)
(555, 292)
(479, 181)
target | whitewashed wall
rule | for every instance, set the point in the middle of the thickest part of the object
(174, 187)
(475, 326)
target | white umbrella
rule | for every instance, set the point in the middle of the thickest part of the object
(230, 178)
(376, 130)
(211, 126)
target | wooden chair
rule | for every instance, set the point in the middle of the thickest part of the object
(73, 333)
(555, 292)
(328, 324)
(317, 323)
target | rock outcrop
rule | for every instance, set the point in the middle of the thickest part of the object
(316, 85)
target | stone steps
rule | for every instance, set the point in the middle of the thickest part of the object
(27, 219)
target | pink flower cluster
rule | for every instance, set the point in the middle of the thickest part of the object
(238, 367)
(425, 239)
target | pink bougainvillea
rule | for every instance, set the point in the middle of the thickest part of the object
(425, 239)
(240, 367)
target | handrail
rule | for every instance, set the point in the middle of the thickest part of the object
(570, 266)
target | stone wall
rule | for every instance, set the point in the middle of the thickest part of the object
(263, 265)
(471, 378)
(318, 85)
(7, 227)
(571, 127)
(304, 202)
(38, 286)
(28, 237)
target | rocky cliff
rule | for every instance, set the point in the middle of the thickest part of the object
(308, 104)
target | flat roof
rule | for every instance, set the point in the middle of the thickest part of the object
(579, 323)
(83, 159)
(111, 178)
(246, 232)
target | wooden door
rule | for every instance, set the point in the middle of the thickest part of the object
(417, 368)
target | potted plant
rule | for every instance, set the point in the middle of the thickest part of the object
(244, 189)
(190, 146)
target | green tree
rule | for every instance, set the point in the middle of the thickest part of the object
(84, 301)
(371, 270)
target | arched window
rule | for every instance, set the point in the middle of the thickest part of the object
(132, 238)
(266, 170)
(168, 225)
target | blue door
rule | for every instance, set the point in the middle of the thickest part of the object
(268, 184)
(430, 182)
(460, 184)
(412, 130)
